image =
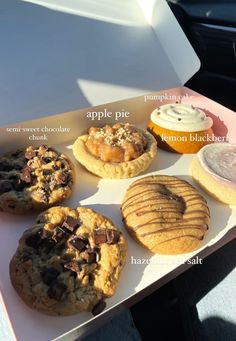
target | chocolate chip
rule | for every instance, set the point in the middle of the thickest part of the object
(112, 236)
(70, 223)
(5, 186)
(61, 178)
(55, 167)
(56, 290)
(46, 159)
(98, 308)
(100, 236)
(78, 244)
(47, 172)
(179, 119)
(33, 240)
(30, 154)
(49, 275)
(59, 234)
(26, 175)
(90, 256)
(73, 266)
(48, 244)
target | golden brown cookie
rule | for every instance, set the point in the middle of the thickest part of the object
(68, 262)
(165, 214)
(214, 169)
(120, 151)
(33, 179)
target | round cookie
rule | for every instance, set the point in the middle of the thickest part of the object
(214, 169)
(117, 152)
(165, 214)
(68, 262)
(34, 179)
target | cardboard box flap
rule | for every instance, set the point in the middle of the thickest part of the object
(64, 54)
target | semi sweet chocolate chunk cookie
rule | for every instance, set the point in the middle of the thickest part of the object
(165, 214)
(61, 267)
(34, 179)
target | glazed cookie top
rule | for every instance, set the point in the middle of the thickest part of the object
(73, 258)
(34, 176)
(166, 208)
(117, 143)
(181, 117)
(219, 159)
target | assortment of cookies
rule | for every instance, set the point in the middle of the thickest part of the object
(71, 260)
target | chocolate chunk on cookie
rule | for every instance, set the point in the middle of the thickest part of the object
(78, 244)
(90, 256)
(73, 266)
(56, 290)
(33, 240)
(100, 236)
(66, 272)
(112, 236)
(59, 234)
(98, 308)
(49, 275)
(70, 223)
(25, 175)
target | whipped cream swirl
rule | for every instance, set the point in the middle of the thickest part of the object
(219, 159)
(181, 117)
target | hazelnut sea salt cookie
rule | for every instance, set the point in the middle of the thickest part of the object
(68, 262)
(115, 152)
(165, 214)
(34, 178)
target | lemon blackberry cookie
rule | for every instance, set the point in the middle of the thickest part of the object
(69, 261)
(165, 214)
(34, 179)
(115, 152)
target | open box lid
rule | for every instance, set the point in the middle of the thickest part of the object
(58, 55)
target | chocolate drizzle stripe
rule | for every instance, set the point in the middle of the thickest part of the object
(137, 212)
(125, 204)
(167, 240)
(157, 199)
(196, 211)
(181, 221)
(188, 227)
(140, 213)
(149, 199)
(164, 183)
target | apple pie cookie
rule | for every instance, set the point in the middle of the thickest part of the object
(115, 152)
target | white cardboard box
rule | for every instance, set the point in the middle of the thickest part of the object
(62, 55)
